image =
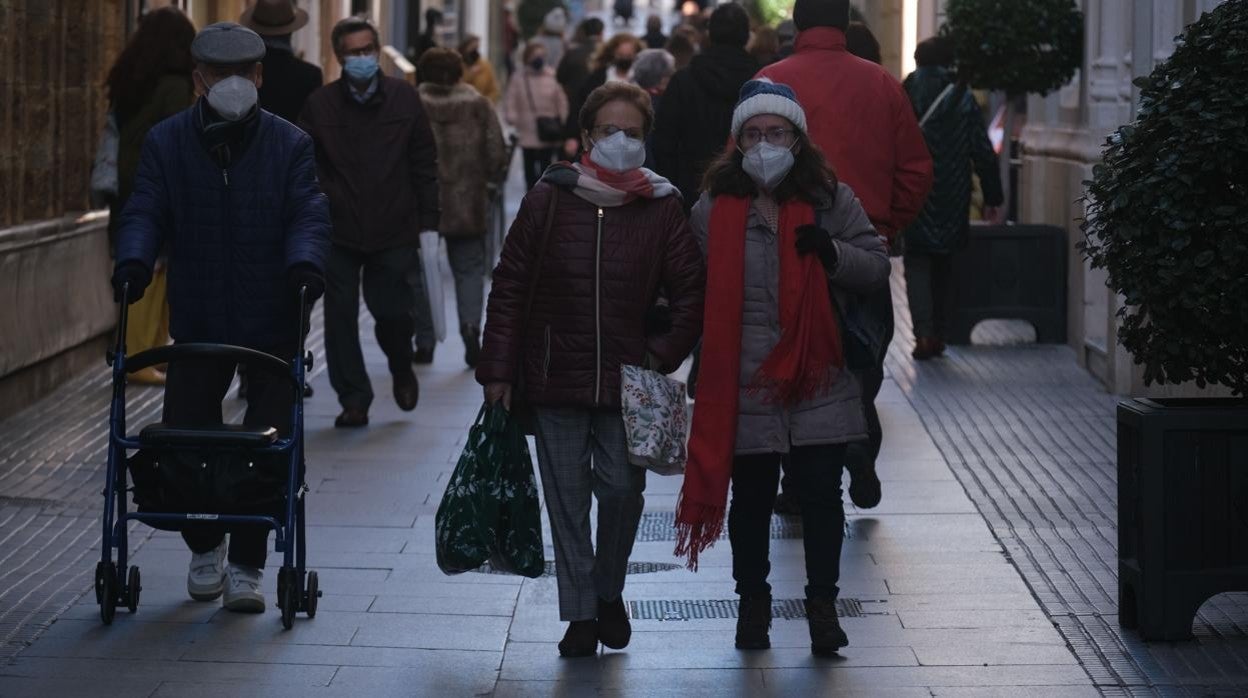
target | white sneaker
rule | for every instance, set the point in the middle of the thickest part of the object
(242, 593)
(206, 579)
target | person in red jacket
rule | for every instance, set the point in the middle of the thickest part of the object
(861, 118)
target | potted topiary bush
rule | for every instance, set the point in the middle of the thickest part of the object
(1019, 48)
(1167, 218)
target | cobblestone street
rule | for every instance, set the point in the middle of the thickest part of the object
(988, 569)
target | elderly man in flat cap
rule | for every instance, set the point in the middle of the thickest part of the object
(231, 192)
(379, 166)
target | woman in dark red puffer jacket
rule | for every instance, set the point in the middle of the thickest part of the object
(617, 236)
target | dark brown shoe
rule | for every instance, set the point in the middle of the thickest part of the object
(472, 345)
(826, 635)
(787, 504)
(925, 348)
(406, 389)
(581, 639)
(351, 419)
(754, 622)
(614, 630)
(422, 356)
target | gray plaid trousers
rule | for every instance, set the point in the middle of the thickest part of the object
(582, 452)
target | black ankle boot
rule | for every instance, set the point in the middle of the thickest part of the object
(753, 623)
(826, 636)
(614, 630)
(581, 639)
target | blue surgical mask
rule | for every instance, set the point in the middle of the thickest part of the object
(360, 69)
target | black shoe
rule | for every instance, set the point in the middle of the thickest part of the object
(826, 636)
(753, 622)
(472, 345)
(614, 630)
(787, 504)
(351, 419)
(581, 639)
(864, 485)
(423, 356)
(406, 389)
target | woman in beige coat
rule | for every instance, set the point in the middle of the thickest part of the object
(471, 154)
(535, 93)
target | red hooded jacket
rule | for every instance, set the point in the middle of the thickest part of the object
(861, 118)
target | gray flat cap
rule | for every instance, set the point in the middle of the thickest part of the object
(227, 43)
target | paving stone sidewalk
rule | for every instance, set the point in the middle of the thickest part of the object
(1031, 436)
(931, 603)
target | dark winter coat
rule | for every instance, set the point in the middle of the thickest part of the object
(287, 83)
(573, 68)
(958, 141)
(172, 94)
(377, 163)
(577, 100)
(471, 154)
(601, 274)
(695, 120)
(232, 234)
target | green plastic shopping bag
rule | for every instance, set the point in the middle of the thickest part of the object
(490, 510)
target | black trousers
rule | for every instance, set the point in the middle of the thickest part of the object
(816, 471)
(536, 160)
(872, 379)
(193, 394)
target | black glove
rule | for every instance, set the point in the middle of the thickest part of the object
(813, 239)
(658, 320)
(304, 274)
(131, 275)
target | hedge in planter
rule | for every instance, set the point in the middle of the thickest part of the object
(1167, 213)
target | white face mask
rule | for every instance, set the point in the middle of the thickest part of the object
(233, 98)
(619, 153)
(767, 164)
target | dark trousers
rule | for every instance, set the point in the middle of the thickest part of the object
(536, 160)
(872, 379)
(816, 471)
(929, 292)
(389, 298)
(193, 394)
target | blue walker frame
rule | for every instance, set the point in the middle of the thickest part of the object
(297, 588)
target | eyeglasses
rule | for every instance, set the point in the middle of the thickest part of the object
(607, 130)
(783, 137)
(363, 51)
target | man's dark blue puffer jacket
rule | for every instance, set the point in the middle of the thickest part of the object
(231, 234)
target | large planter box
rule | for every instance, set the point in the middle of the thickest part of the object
(1182, 510)
(1010, 272)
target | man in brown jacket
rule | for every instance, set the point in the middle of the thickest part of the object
(377, 162)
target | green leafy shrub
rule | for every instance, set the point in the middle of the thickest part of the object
(1167, 213)
(1019, 47)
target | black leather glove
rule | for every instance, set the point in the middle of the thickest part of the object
(131, 278)
(813, 239)
(658, 320)
(304, 274)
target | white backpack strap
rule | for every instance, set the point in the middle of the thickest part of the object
(932, 109)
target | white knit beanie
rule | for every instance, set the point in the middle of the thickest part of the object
(763, 96)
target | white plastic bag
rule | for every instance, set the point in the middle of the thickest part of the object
(430, 247)
(656, 420)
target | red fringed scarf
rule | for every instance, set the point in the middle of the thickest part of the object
(805, 363)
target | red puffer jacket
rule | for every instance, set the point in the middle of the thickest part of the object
(603, 270)
(861, 118)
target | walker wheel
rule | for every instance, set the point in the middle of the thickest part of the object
(310, 596)
(133, 587)
(106, 590)
(288, 595)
